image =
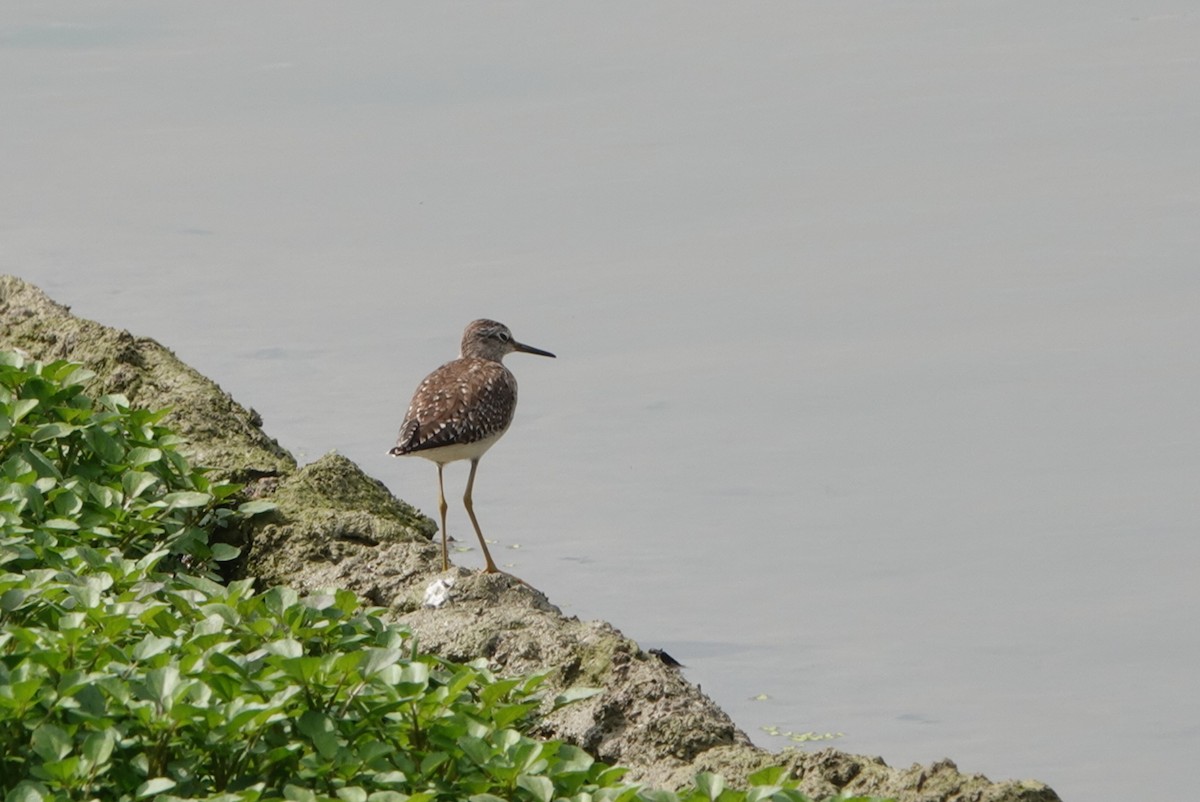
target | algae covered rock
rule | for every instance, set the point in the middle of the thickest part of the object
(336, 527)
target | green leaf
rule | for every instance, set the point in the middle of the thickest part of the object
(18, 470)
(114, 401)
(497, 690)
(186, 499)
(285, 647)
(134, 483)
(280, 598)
(659, 795)
(50, 742)
(541, 788)
(22, 691)
(68, 503)
(103, 443)
(507, 715)
(137, 457)
(771, 775)
(161, 684)
(51, 431)
(378, 659)
(61, 771)
(155, 785)
(27, 791)
(297, 794)
(761, 793)
(476, 749)
(413, 680)
(709, 784)
(572, 760)
(611, 775)
(256, 507)
(206, 586)
(98, 747)
(222, 552)
(22, 407)
(321, 730)
(104, 496)
(150, 646)
(44, 467)
(28, 500)
(75, 375)
(575, 694)
(61, 524)
(432, 761)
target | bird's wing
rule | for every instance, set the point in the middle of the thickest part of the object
(458, 404)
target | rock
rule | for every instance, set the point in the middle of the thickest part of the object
(337, 527)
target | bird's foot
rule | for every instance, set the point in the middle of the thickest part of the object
(492, 569)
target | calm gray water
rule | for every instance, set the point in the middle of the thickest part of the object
(877, 384)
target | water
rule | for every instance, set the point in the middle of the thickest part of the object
(877, 378)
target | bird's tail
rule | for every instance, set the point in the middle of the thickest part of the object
(407, 438)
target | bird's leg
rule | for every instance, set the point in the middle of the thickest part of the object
(491, 566)
(442, 510)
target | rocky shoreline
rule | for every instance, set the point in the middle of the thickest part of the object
(337, 527)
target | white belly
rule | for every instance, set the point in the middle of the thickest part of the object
(458, 451)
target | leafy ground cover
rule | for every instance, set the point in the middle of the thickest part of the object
(129, 671)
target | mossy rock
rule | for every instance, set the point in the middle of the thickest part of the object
(336, 527)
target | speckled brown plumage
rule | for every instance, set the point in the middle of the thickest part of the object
(462, 402)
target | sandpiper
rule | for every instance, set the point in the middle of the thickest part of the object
(461, 409)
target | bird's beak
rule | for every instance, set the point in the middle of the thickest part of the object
(529, 349)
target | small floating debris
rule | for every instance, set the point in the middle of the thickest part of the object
(801, 737)
(762, 697)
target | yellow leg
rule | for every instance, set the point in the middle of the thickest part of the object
(491, 566)
(442, 510)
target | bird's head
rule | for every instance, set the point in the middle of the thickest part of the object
(487, 339)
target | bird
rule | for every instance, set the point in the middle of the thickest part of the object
(461, 409)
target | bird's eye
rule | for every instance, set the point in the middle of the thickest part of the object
(503, 336)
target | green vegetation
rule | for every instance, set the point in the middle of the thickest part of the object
(128, 671)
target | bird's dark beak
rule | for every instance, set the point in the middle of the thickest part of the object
(529, 349)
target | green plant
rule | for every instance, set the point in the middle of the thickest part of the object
(96, 474)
